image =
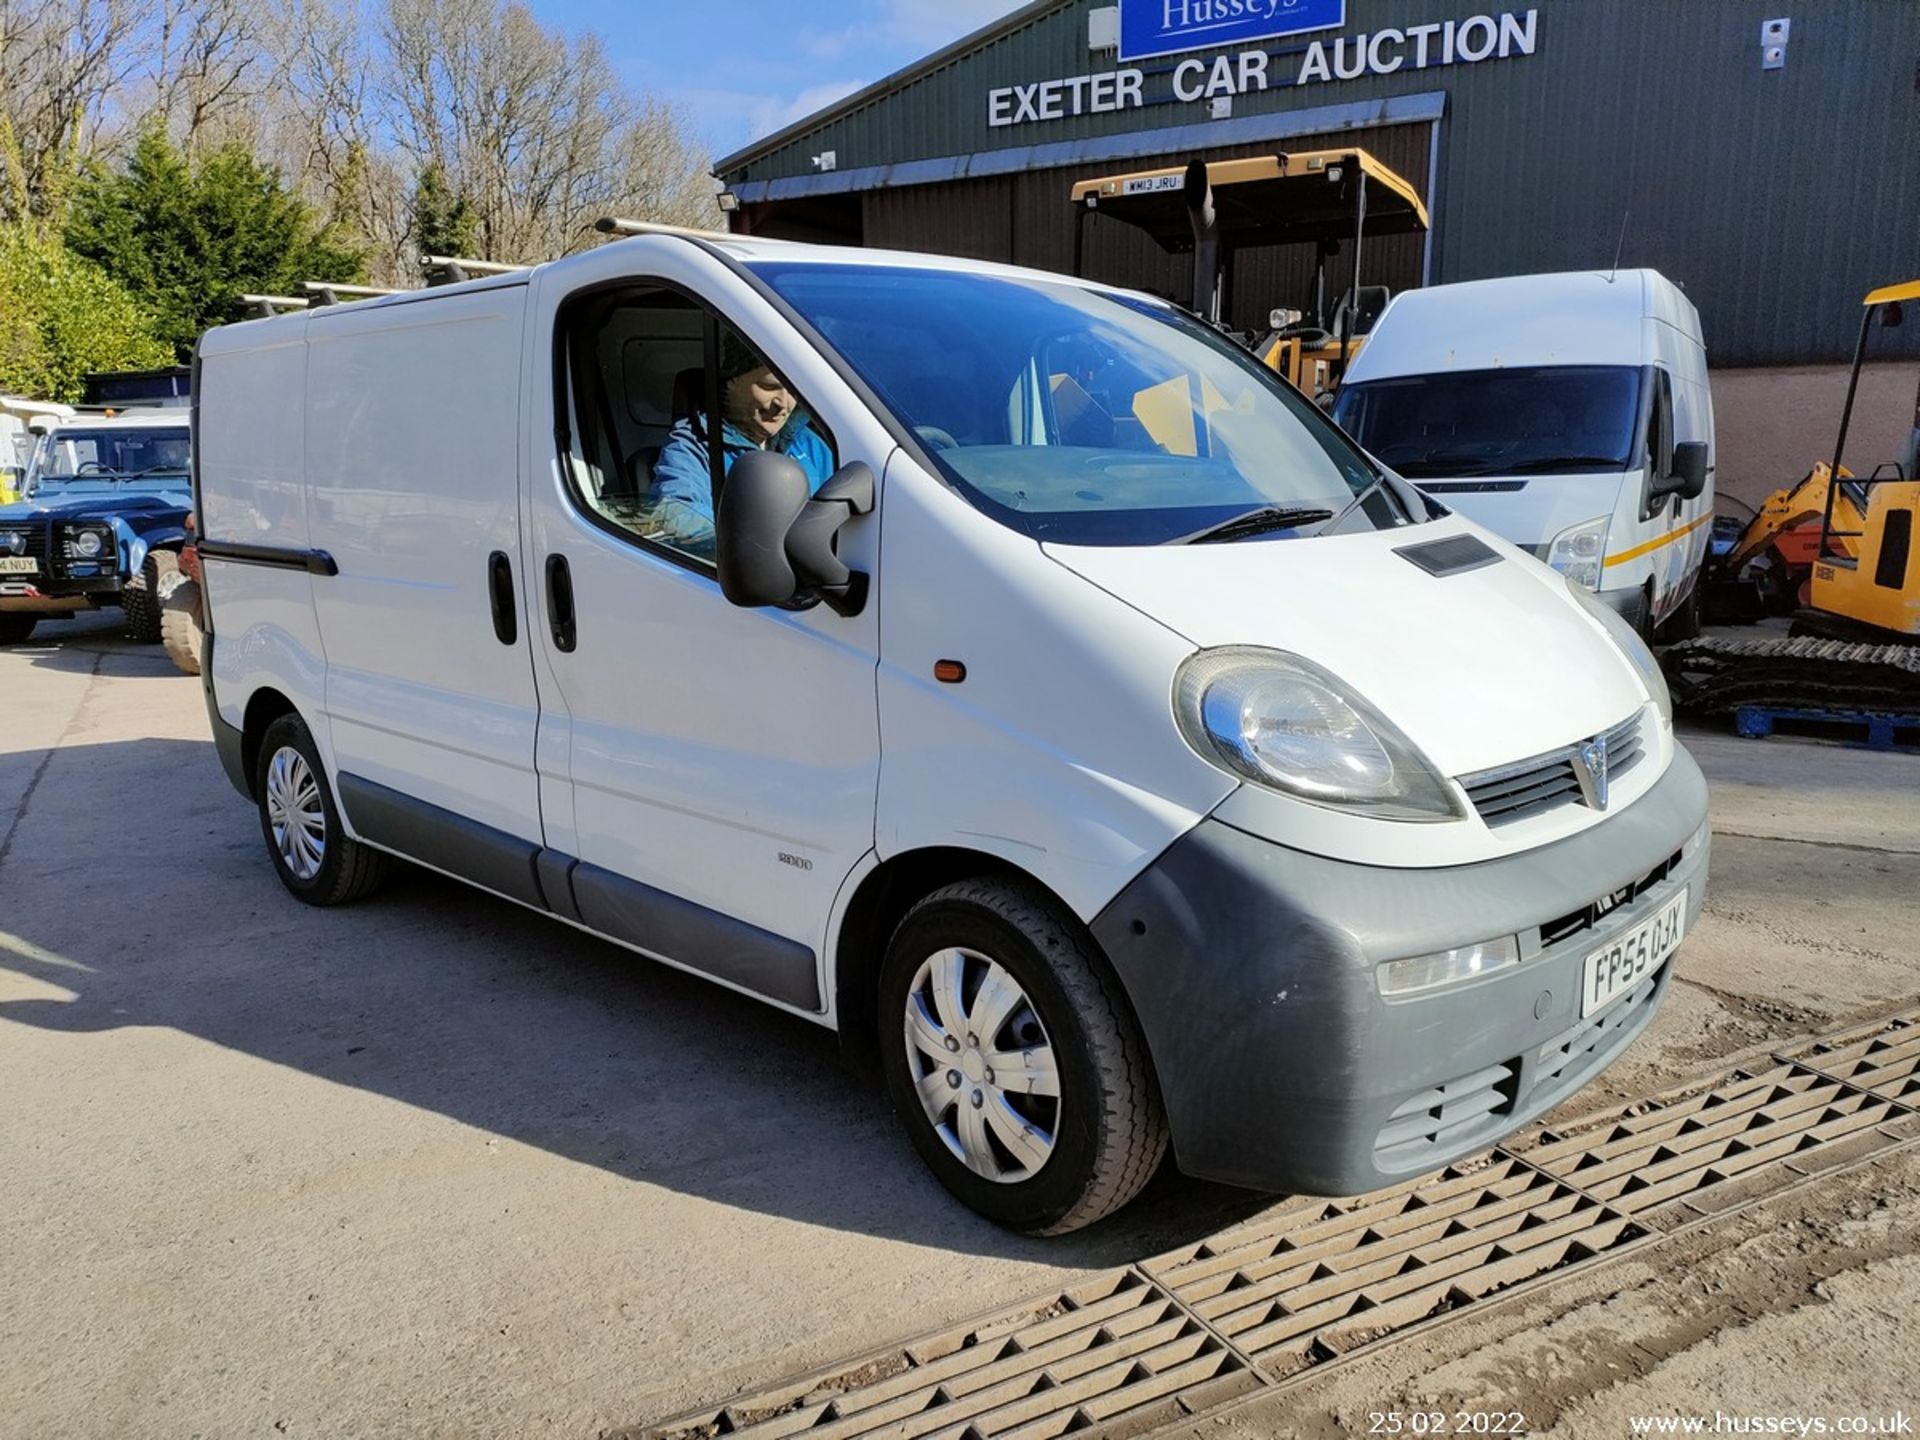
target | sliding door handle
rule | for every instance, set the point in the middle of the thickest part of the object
(560, 603)
(500, 589)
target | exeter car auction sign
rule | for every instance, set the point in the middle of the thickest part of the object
(1324, 60)
(1167, 27)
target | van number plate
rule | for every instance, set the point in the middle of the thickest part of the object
(19, 565)
(1633, 956)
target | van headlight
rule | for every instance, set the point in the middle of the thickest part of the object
(1629, 641)
(1580, 551)
(1283, 722)
(87, 544)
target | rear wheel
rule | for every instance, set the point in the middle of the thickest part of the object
(180, 626)
(140, 597)
(1017, 1066)
(15, 628)
(311, 853)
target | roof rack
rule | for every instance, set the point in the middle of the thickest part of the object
(265, 307)
(452, 269)
(619, 225)
(328, 292)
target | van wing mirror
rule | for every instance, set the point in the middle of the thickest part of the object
(1689, 475)
(775, 544)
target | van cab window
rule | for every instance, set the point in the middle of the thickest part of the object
(1080, 415)
(648, 445)
(1526, 420)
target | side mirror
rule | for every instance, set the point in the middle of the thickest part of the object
(774, 544)
(1689, 474)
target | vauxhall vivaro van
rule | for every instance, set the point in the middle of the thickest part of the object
(1568, 413)
(1006, 671)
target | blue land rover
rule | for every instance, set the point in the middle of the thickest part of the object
(102, 522)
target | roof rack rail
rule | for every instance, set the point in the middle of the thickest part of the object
(619, 225)
(265, 307)
(329, 292)
(452, 269)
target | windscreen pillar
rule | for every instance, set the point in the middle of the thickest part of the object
(1351, 311)
(1206, 241)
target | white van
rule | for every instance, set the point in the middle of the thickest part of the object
(1568, 413)
(1061, 707)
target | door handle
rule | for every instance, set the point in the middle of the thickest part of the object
(560, 603)
(500, 588)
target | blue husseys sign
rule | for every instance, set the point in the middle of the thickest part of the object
(1167, 27)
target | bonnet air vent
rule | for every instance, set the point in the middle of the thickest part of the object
(1450, 556)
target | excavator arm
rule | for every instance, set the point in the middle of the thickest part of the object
(1784, 509)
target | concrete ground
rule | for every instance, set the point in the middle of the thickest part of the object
(433, 1165)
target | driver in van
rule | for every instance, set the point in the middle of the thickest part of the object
(758, 412)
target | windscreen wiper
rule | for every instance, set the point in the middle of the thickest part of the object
(1254, 522)
(1373, 487)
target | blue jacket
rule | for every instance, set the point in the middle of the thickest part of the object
(681, 474)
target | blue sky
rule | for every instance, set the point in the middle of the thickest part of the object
(745, 68)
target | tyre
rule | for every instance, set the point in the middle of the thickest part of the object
(180, 626)
(1014, 1060)
(311, 853)
(15, 628)
(1684, 623)
(140, 596)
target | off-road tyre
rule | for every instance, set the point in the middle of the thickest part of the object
(140, 596)
(348, 870)
(16, 628)
(1112, 1128)
(180, 630)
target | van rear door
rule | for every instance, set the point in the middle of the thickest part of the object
(413, 413)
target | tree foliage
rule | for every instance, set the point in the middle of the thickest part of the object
(189, 236)
(61, 316)
(444, 221)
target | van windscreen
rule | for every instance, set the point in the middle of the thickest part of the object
(1084, 416)
(1531, 420)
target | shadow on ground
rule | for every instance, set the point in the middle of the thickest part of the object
(459, 1003)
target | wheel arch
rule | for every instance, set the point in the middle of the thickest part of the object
(880, 901)
(264, 706)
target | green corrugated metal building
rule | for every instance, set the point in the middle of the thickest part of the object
(1777, 186)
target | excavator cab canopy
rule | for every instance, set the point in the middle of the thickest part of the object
(1281, 199)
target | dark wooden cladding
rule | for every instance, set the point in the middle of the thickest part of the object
(1027, 220)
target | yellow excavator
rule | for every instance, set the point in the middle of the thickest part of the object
(1854, 647)
(1211, 210)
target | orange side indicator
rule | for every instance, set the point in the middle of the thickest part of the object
(949, 672)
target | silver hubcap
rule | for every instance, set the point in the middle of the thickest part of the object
(295, 814)
(982, 1064)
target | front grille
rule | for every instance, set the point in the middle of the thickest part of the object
(1591, 914)
(1444, 1118)
(38, 544)
(1526, 788)
(1570, 1056)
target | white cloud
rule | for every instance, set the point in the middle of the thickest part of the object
(772, 112)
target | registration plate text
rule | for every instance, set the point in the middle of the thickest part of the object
(19, 565)
(1632, 956)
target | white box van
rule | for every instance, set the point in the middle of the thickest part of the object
(1053, 702)
(1568, 413)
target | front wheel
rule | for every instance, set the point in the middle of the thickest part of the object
(1014, 1060)
(140, 596)
(311, 852)
(15, 628)
(1684, 622)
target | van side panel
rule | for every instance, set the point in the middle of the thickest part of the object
(1022, 761)
(250, 451)
(413, 466)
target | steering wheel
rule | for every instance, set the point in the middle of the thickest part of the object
(90, 466)
(936, 437)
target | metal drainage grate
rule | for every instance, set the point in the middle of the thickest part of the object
(1116, 1347)
(1315, 1280)
(1884, 1058)
(1315, 1283)
(1669, 1160)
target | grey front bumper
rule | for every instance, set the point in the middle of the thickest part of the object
(1252, 970)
